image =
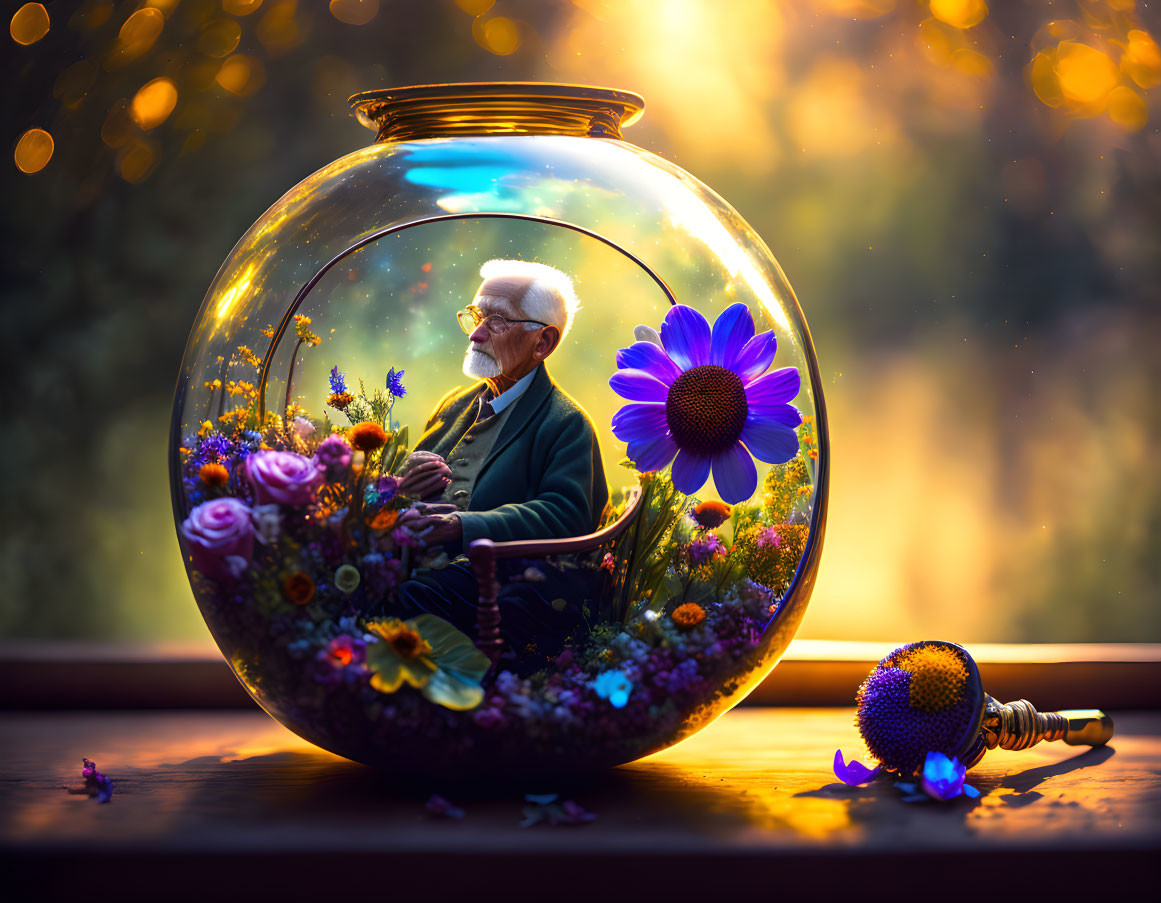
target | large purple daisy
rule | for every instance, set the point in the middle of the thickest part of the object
(703, 402)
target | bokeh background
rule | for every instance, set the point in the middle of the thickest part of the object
(966, 197)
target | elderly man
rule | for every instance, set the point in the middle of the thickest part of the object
(510, 457)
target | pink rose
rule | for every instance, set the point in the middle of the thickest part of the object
(219, 537)
(282, 477)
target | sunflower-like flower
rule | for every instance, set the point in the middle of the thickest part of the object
(340, 400)
(703, 402)
(429, 654)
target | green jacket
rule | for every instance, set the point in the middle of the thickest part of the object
(543, 477)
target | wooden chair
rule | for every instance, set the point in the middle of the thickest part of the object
(483, 555)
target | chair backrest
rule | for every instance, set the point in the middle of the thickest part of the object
(540, 548)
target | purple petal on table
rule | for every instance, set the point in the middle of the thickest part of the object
(733, 328)
(650, 358)
(639, 385)
(685, 333)
(734, 474)
(854, 773)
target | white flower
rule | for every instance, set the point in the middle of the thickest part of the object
(647, 334)
(359, 410)
(534, 575)
(267, 522)
(302, 427)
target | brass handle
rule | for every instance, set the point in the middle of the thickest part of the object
(1017, 725)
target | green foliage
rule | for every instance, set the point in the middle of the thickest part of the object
(644, 552)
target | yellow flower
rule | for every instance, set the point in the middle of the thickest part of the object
(429, 654)
(302, 330)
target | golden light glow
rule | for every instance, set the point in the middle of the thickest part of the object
(1086, 75)
(960, 13)
(1142, 59)
(136, 161)
(857, 9)
(29, 24)
(475, 7)
(234, 292)
(117, 126)
(241, 75)
(220, 38)
(92, 15)
(33, 150)
(240, 7)
(278, 28)
(152, 104)
(1127, 109)
(166, 6)
(137, 36)
(498, 35)
(75, 82)
(832, 115)
(705, 68)
(355, 12)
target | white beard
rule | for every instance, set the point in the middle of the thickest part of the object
(480, 365)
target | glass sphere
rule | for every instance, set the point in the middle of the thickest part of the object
(499, 445)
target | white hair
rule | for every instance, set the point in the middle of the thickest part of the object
(541, 292)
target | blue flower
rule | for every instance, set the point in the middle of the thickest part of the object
(613, 686)
(703, 402)
(395, 387)
(854, 773)
(943, 777)
(338, 381)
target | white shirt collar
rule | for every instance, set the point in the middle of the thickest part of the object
(506, 398)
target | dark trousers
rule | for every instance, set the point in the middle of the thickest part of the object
(536, 616)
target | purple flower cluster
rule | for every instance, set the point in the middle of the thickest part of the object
(338, 381)
(96, 784)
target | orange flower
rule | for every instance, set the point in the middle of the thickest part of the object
(340, 400)
(688, 616)
(384, 520)
(367, 436)
(214, 475)
(298, 588)
(711, 514)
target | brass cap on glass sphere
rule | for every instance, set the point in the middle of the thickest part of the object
(496, 108)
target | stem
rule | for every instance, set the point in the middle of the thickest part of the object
(290, 380)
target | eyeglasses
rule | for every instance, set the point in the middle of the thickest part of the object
(471, 317)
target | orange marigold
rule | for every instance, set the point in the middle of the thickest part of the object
(711, 514)
(214, 475)
(688, 616)
(367, 436)
(384, 520)
(298, 588)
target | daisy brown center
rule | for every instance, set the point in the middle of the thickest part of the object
(706, 409)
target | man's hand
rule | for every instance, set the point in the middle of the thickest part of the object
(433, 529)
(425, 474)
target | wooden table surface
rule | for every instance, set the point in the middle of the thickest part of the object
(229, 804)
